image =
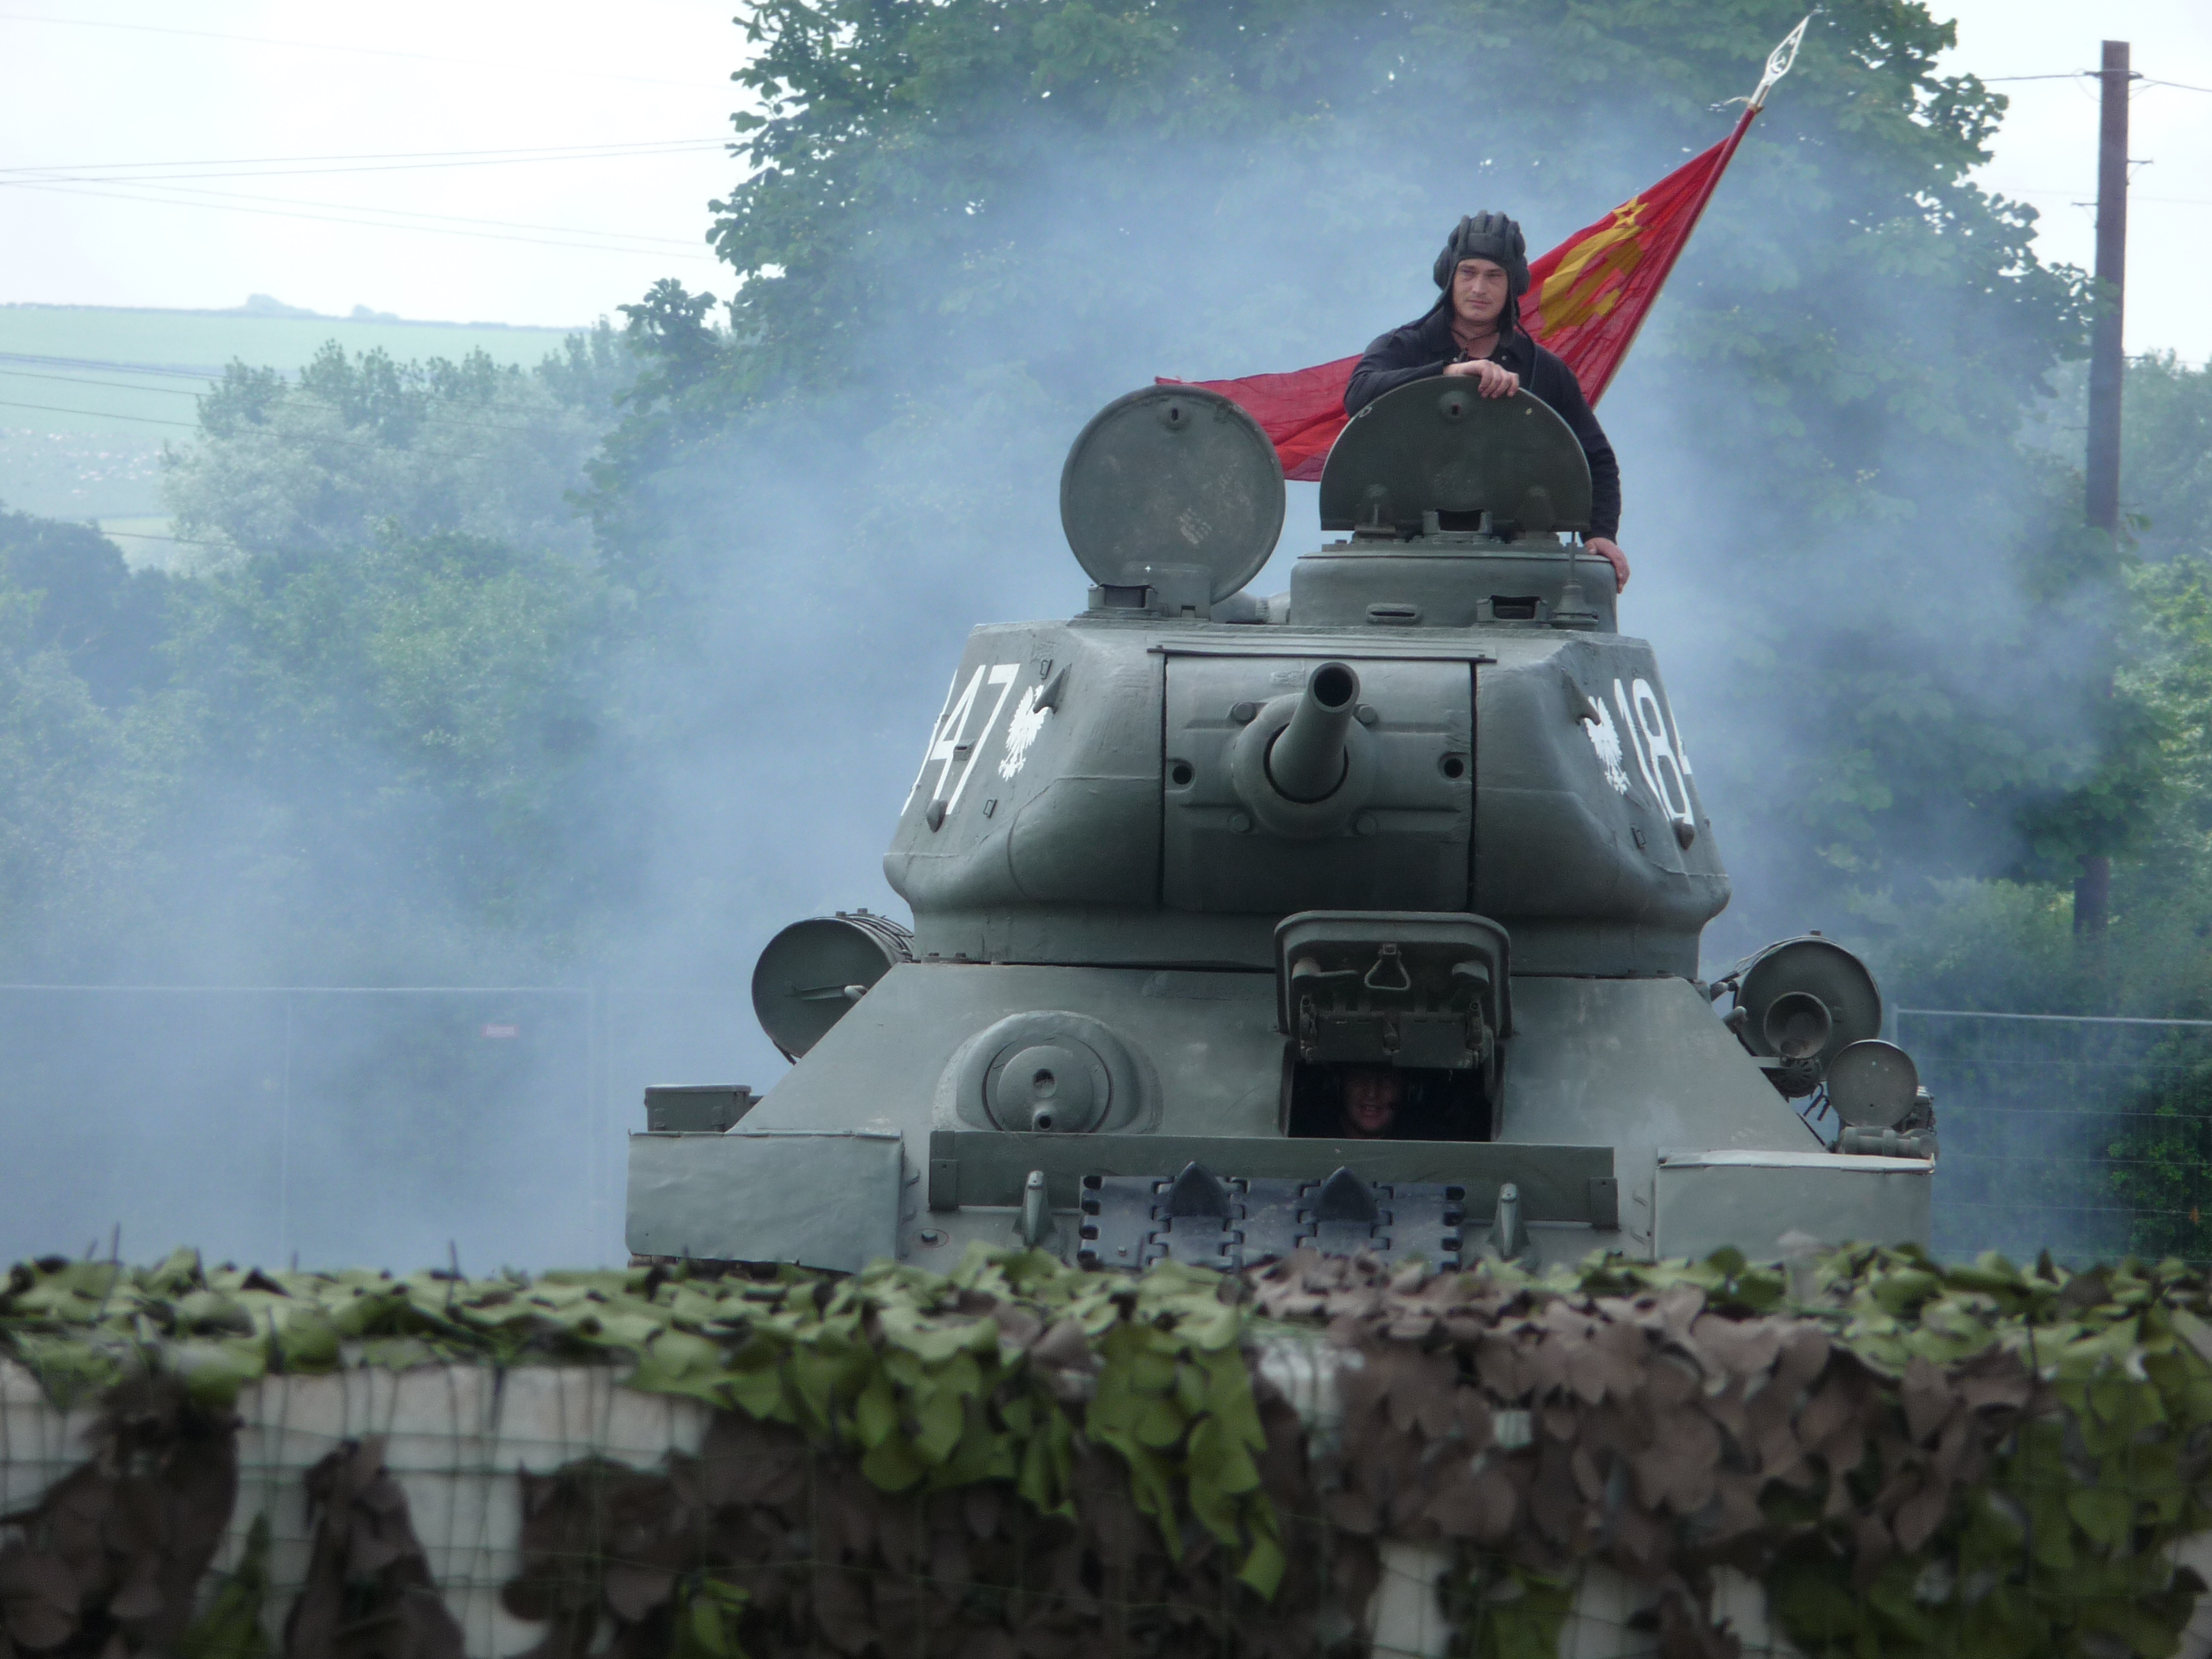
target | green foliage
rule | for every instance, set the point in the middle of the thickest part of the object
(2161, 1152)
(2002, 1461)
(1502, 1611)
(104, 621)
(2166, 461)
(230, 1627)
(1020, 208)
(2008, 944)
(431, 695)
(353, 448)
(2064, 1549)
(707, 1614)
(930, 1380)
(91, 745)
(364, 736)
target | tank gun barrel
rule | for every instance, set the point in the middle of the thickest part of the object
(1307, 760)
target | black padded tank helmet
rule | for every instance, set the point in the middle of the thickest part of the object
(1488, 236)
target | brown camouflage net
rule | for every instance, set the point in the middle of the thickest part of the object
(1911, 1460)
(369, 1594)
(820, 1561)
(110, 1561)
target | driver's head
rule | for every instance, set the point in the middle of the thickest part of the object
(1373, 1095)
(1484, 268)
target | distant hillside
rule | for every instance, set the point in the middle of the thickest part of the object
(88, 393)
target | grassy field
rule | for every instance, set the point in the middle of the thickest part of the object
(88, 394)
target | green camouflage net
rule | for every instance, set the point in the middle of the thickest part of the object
(1020, 1457)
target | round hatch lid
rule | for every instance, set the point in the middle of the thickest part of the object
(1439, 446)
(1872, 1085)
(1176, 480)
(1816, 968)
(813, 971)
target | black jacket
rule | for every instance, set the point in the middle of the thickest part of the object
(1420, 351)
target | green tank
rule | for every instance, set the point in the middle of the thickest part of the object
(1363, 917)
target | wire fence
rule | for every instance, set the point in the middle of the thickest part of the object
(411, 1126)
(399, 1126)
(2089, 1137)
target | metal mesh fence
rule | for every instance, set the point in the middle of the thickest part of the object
(386, 1126)
(404, 1126)
(455, 1440)
(2087, 1137)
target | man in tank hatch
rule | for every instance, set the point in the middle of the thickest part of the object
(1371, 1097)
(1475, 330)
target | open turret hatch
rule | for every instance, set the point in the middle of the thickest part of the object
(1437, 455)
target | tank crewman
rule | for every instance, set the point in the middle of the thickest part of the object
(1475, 330)
(1373, 1095)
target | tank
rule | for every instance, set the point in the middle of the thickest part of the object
(1361, 917)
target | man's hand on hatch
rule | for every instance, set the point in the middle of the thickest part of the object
(1496, 380)
(1608, 549)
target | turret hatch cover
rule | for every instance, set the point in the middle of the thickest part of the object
(1172, 479)
(1439, 446)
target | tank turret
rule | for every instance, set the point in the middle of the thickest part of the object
(1365, 916)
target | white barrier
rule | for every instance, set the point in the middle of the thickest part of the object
(456, 1437)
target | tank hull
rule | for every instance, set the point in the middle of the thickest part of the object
(1632, 1081)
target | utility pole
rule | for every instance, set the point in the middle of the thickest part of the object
(2092, 888)
(2107, 362)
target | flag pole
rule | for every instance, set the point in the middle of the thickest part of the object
(1778, 63)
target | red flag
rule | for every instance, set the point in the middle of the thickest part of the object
(1302, 411)
(1586, 298)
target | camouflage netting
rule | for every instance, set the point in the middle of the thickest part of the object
(1022, 1459)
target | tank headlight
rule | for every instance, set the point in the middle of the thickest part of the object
(1872, 1085)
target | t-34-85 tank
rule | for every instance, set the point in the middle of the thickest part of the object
(1363, 917)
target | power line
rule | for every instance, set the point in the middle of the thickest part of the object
(2079, 75)
(291, 393)
(172, 371)
(364, 51)
(2133, 195)
(150, 536)
(313, 438)
(119, 385)
(57, 175)
(328, 218)
(555, 152)
(181, 193)
(96, 414)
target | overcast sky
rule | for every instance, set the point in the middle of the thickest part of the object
(168, 143)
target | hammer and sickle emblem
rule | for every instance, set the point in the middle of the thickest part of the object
(1589, 280)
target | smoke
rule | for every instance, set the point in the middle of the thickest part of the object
(1837, 578)
(1822, 504)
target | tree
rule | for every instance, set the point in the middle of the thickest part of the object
(2165, 470)
(399, 754)
(966, 225)
(355, 444)
(367, 735)
(92, 742)
(105, 620)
